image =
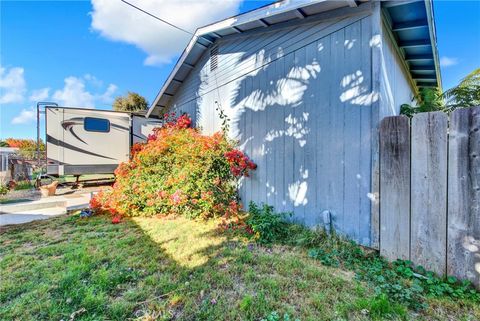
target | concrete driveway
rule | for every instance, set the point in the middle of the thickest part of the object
(24, 212)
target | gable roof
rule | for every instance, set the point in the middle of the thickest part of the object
(411, 22)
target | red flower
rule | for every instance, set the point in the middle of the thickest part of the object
(176, 197)
(116, 219)
(240, 164)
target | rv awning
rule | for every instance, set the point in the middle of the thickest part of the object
(412, 23)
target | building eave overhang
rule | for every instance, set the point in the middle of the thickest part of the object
(414, 35)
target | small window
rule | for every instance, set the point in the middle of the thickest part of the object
(96, 125)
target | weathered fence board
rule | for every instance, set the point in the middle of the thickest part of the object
(429, 190)
(395, 187)
(463, 251)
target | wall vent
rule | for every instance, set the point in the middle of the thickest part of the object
(213, 58)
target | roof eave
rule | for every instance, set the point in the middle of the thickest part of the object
(433, 40)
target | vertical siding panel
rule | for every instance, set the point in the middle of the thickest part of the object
(298, 109)
(240, 116)
(323, 134)
(255, 138)
(270, 128)
(336, 176)
(311, 110)
(262, 128)
(365, 134)
(289, 140)
(376, 72)
(279, 145)
(351, 82)
(463, 253)
(429, 194)
(249, 139)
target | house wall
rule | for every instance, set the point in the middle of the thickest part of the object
(396, 88)
(299, 101)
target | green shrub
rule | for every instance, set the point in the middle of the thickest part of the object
(265, 224)
(178, 171)
(22, 185)
(3, 189)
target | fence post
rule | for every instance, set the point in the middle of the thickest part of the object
(463, 251)
(429, 191)
(395, 188)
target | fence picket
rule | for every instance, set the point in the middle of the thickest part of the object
(463, 251)
(429, 191)
(395, 187)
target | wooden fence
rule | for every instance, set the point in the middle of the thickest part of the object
(430, 191)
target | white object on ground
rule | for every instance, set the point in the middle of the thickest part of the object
(24, 212)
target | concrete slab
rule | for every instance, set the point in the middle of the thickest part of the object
(32, 215)
(24, 212)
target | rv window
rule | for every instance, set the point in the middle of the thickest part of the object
(96, 125)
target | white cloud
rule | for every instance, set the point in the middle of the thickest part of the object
(40, 94)
(93, 80)
(12, 85)
(75, 93)
(107, 96)
(448, 61)
(26, 116)
(117, 21)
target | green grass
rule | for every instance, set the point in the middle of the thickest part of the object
(161, 269)
(23, 185)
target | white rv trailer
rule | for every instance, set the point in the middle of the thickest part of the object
(90, 141)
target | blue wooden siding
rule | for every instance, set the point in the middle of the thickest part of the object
(299, 99)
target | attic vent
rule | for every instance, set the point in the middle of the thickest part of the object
(213, 58)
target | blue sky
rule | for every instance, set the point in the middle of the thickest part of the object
(83, 53)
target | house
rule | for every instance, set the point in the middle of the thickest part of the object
(305, 85)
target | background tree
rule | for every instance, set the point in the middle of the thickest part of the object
(130, 103)
(26, 147)
(466, 94)
(429, 99)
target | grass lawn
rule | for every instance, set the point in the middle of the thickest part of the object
(161, 269)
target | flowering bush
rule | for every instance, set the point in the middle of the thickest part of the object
(178, 171)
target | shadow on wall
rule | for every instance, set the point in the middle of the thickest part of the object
(304, 117)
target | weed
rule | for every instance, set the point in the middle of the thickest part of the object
(400, 281)
(266, 225)
(274, 316)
